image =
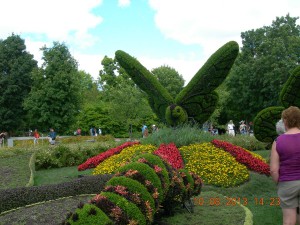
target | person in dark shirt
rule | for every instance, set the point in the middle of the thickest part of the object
(285, 165)
(52, 136)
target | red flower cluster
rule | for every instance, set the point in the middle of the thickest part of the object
(244, 157)
(96, 160)
(171, 154)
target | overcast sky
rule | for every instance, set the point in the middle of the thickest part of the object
(179, 33)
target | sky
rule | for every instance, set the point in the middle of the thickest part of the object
(181, 34)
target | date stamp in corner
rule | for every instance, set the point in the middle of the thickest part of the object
(233, 201)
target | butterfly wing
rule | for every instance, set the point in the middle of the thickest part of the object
(198, 97)
(290, 94)
(265, 124)
(159, 98)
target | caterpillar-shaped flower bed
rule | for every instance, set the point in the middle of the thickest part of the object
(136, 192)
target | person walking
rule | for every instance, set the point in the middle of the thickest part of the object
(36, 137)
(52, 136)
(285, 165)
(230, 128)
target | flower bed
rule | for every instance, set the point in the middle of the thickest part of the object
(114, 162)
(251, 160)
(171, 154)
(94, 161)
(214, 166)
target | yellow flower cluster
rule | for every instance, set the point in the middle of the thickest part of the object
(114, 162)
(214, 165)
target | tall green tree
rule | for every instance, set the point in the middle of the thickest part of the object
(266, 58)
(16, 65)
(54, 98)
(170, 79)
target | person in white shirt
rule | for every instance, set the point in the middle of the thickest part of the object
(230, 128)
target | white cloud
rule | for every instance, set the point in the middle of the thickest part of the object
(213, 23)
(123, 3)
(90, 63)
(59, 20)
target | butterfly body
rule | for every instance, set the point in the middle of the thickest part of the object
(176, 115)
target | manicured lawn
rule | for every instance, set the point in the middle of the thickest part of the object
(57, 175)
(14, 171)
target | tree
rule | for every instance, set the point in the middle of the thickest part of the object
(170, 79)
(266, 58)
(54, 99)
(16, 65)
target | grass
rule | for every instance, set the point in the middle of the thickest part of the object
(206, 212)
(51, 212)
(57, 175)
(14, 171)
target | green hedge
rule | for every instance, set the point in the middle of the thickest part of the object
(18, 197)
(68, 155)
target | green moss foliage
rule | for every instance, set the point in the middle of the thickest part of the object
(155, 160)
(290, 93)
(89, 214)
(132, 211)
(176, 115)
(198, 97)
(265, 121)
(159, 97)
(134, 187)
(148, 173)
(197, 100)
(265, 124)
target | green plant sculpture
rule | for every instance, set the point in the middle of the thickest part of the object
(265, 121)
(197, 100)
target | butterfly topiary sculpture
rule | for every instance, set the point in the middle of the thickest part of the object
(265, 121)
(197, 100)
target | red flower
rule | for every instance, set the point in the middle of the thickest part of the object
(96, 160)
(171, 154)
(244, 157)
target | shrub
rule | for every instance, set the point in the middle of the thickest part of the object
(67, 155)
(17, 197)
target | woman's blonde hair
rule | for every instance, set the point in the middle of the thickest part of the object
(291, 117)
